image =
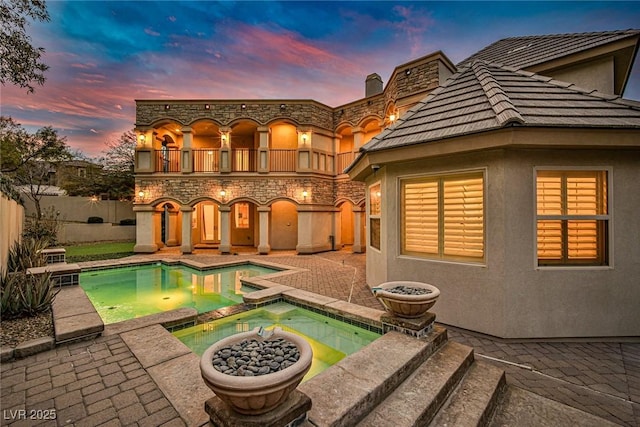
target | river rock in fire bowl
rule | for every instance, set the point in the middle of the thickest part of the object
(254, 372)
(407, 299)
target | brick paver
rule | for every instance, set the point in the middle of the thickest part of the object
(100, 382)
(82, 384)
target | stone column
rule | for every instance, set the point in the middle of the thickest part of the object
(263, 149)
(264, 247)
(186, 154)
(225, 229)
(357, 224)
(225, 149)
(187, 214)
(358, 138)
(145, 230)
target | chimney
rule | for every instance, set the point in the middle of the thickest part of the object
(373, 85)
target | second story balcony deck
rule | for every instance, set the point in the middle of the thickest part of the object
(239, 160)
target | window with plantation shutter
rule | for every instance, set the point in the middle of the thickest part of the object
(375, 201)
(443, 216)
(572, 217)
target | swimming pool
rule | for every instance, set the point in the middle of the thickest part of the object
(330, 339)
(124, 293)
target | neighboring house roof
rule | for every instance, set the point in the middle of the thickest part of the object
(486, 96)
(525, 52)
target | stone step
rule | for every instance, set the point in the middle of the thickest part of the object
(346, 392)
(474, 401)
(417, 400)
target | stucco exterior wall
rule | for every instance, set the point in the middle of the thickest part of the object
(79, 209)
(508, 295)
(84, 233)
(11, 226)
(597, 75)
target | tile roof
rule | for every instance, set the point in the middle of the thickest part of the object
(523, 52)
(487, 96)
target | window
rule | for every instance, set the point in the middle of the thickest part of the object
(375, 197)
(443, 217)
(572, 218)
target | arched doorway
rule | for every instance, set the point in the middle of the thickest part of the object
(205, 224)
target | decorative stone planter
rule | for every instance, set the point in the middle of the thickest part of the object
(254, 395)
(405, 304)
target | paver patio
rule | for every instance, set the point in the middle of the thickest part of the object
(101, 382)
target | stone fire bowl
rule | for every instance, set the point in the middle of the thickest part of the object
(407, 306)
(261, 393)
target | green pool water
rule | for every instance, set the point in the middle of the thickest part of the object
(330, 339)
(128, 292)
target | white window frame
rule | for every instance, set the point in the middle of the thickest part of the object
(608, 217)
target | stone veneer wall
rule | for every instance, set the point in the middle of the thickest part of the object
(351, 190)
(424, 76)
(261, 189)
(226, 112)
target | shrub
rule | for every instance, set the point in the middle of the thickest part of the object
(46, 228)
(128, 221)
(26, 254)
(23, 294)
(95, 220)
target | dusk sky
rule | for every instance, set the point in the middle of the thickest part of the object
(105, 54)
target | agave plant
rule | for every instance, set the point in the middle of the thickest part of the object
(23, 294)
(26, 254)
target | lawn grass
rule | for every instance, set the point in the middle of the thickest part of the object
(98, 251)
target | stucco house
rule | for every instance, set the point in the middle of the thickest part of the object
(514, 188)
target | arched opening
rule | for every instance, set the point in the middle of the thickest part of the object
(346, 149)
(167, 143)
(205, 145)
(244, 143)
(283, 142)
(370, 129)
(205, 225)
(283, 224)
(168, 220)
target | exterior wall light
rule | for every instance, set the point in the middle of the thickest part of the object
(283, 106)
(392, 117)
(304, 138)
(304, 194)
(243, 106)
(142, 139)
(141, 194)
(167, 106)
(223, 194)
(207, 106)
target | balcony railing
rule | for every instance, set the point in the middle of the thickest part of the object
(167, 160)
(282, 160)
(344, 160)
(244, 160)
(206, 160)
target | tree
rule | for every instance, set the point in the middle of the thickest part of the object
(31, 158)
(118, 164)
(20, 60)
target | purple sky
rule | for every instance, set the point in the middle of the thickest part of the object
(105, 54)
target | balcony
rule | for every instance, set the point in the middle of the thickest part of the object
(209, 160)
